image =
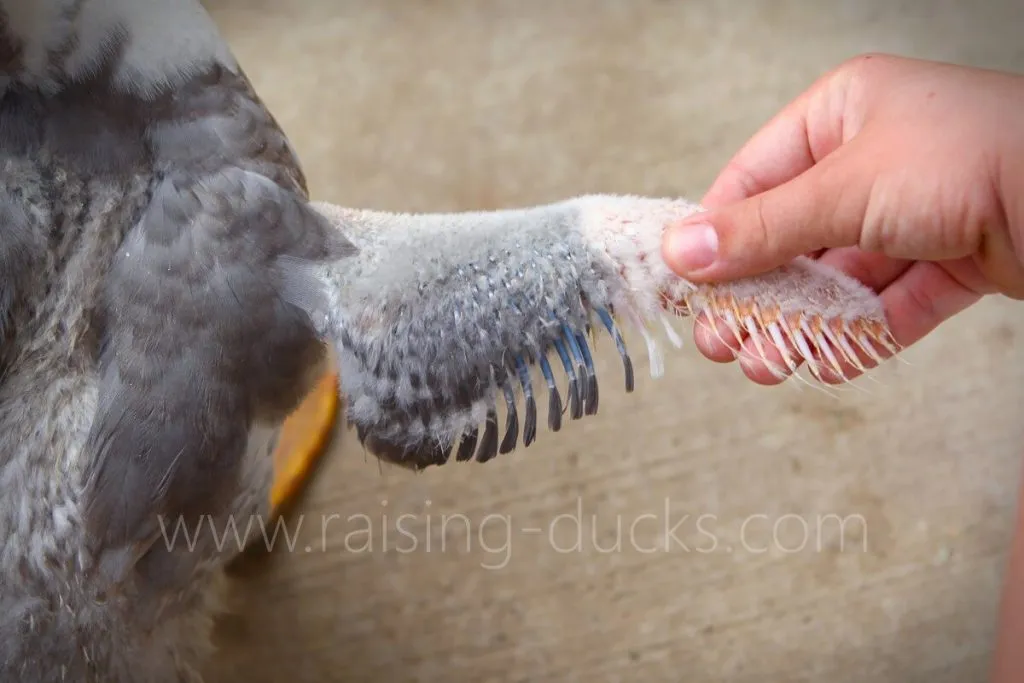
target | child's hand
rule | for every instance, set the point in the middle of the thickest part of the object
(908, 175)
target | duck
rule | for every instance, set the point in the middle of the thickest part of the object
(173, 302)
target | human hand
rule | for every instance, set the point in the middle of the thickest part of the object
(907, 175)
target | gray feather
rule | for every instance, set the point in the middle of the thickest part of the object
(152, 329)
(198, 344)
(430, 317)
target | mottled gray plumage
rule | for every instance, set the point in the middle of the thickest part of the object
(167, 294)
(193, 341)
(435, 313)
(145, 339)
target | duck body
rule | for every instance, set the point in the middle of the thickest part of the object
(146, 363)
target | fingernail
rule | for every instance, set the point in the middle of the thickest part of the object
(692, 247)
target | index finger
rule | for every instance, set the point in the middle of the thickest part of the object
(802, 134)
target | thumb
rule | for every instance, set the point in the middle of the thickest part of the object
(823, 207)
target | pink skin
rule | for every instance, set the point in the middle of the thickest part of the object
(902, 173)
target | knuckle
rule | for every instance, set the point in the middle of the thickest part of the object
(1015, 291)
(920, 301)
(761, 223)
(744, 179)
(745, 228)
(765, 233)
(865, 62)
(744, 233)
(858, 76)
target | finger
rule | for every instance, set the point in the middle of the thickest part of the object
(777, 153)
(765, 363)
(802, 134)
(874, 270)
(915, 304)
(923, 298)
(917, 300)
(823, 207)
(715, 340)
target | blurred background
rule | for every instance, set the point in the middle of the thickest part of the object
(702, 528)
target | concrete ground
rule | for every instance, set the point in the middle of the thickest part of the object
(858, 539)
